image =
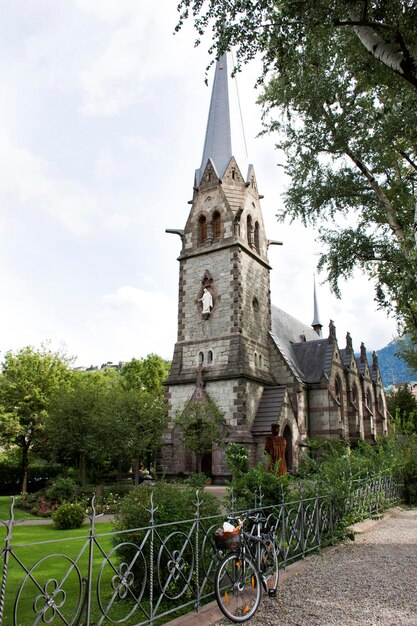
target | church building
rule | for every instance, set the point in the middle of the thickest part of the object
(260, 365)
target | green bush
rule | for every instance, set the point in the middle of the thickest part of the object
(63, 488)
(68, 516)
(196, 480)
(237, 459)
(247, 488)
(173, 503)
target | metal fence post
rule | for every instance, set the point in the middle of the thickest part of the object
(151, 512)
(6, 552)
(197, 550)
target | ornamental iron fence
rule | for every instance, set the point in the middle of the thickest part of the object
(143, 576)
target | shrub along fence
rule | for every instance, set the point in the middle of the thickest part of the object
(146, 575)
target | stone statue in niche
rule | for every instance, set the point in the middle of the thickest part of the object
(207, 300)
(207, 295)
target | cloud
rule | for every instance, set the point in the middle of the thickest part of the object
(36, 184)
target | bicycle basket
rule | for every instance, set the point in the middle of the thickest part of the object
(228, 540)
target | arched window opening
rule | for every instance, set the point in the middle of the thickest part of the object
(216, 225)
(338, 389)
(249, 230)
(233, 174)
(202, 228)
(380, 403)
(354, 394)
(255, 358)
(210, 357)
(257, 237)
(201, 358)
(287, 434)
(369, 398)
(261, 361)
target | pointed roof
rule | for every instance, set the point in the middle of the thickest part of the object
(219, 131)
(316, 324)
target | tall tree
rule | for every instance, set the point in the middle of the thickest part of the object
(402, 405)
(339, 89)
(202, 425)
(28, 379)
(148, 373)
(78, 425)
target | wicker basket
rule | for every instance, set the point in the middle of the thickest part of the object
(228, 540)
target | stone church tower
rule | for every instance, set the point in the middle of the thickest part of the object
(257, 363)
(224, 255)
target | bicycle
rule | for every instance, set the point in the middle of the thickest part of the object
(250, 567)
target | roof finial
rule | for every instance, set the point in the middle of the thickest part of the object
(316, 324)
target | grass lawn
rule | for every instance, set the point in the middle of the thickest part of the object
(45, 560)
(5, 502)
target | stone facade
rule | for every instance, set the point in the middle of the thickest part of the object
(260, 366)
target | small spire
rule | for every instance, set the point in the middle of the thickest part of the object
(316, 324)
(224, 124)
(349, 343)
(332, 332)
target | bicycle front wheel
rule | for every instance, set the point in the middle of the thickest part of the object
(238, 587)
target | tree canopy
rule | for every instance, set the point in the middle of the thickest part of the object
(202, 425)
(339, 91)
(28, 380)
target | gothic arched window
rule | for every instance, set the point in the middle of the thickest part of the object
(216, 225)
(354, 394)
(249, 230)
(257, 237)
(210, 357)
(202, 229)
(201, 357)
(338, 389)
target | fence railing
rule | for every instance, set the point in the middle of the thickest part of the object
(144, 576)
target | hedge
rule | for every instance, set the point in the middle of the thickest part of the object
(39, 475)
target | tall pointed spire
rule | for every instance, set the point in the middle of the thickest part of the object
(219, 131)
(316, 324)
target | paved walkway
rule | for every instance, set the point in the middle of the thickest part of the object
(371, 581)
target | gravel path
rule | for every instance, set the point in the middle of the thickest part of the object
(369, 582)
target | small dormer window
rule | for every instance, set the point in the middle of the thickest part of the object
(216, 225)
(202, 229)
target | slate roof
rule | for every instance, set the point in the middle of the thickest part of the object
(305, 352)
(315, 358)
(361, 365)
(346, 356)
(269, 409)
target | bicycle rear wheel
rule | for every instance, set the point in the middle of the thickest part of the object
(269, 566)
(238, 587)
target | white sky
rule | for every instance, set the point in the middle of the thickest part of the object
(102, 121)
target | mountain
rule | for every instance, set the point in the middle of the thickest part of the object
(393, 369)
